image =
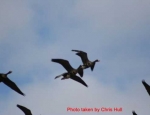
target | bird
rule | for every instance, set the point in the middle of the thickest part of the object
(86, 62)
(24, 109)
(133, 112)
(68, 67)
(73, 77)
(147, 87)
(9, 83)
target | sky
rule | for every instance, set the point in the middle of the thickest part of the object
(115, 32)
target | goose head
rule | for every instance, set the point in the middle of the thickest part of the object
(143, 81)
(134, 113)
(9, 72)
(97, 60)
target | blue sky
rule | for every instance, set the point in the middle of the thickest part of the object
(115, 32)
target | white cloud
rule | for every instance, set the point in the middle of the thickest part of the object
(53, 97)
(106, 15)
(15, 15)
(104, 29)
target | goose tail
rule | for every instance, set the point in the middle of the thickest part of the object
(80, 71)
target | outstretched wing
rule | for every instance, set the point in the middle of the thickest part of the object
(64, 63)
(133, 112)
(12, 85)
(78, 79)
(25, 110)
(83, 55)
(147, 87)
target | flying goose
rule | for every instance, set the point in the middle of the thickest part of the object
(133, 112)
(24, 109)
(73, 77)
(147, 87)
(68, 67)
(9, 83)
(86, 62)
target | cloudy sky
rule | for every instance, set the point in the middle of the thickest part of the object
(116, 32)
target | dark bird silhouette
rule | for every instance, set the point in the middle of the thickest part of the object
(9, 83)
(86, 62)
(68, 67)
(133, 112)
(147, 87)
(25, 110)
(73, 77)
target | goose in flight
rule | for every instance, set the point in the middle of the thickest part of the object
(9, 83)
(24, 109)
(73, 77)
(68, 67)
(86, 62)
(147, 87)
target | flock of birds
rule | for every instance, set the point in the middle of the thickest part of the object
(71, 73)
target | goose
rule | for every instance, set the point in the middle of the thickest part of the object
(73, 77)
(9, 83)
(68, 67)
(133, 112)
(24, 109)
(147, 87)
(86, 62)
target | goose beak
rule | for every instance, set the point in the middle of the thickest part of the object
(98, 60)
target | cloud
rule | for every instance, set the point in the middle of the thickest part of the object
(113, 14)
(35, 32)
(15, 15)
(54, 96)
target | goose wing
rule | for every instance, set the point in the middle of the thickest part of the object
(25, 110)
(133, 112)
(83, 55)
(78, 79)
(64, 63)
(147, 87)
(12, 85)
